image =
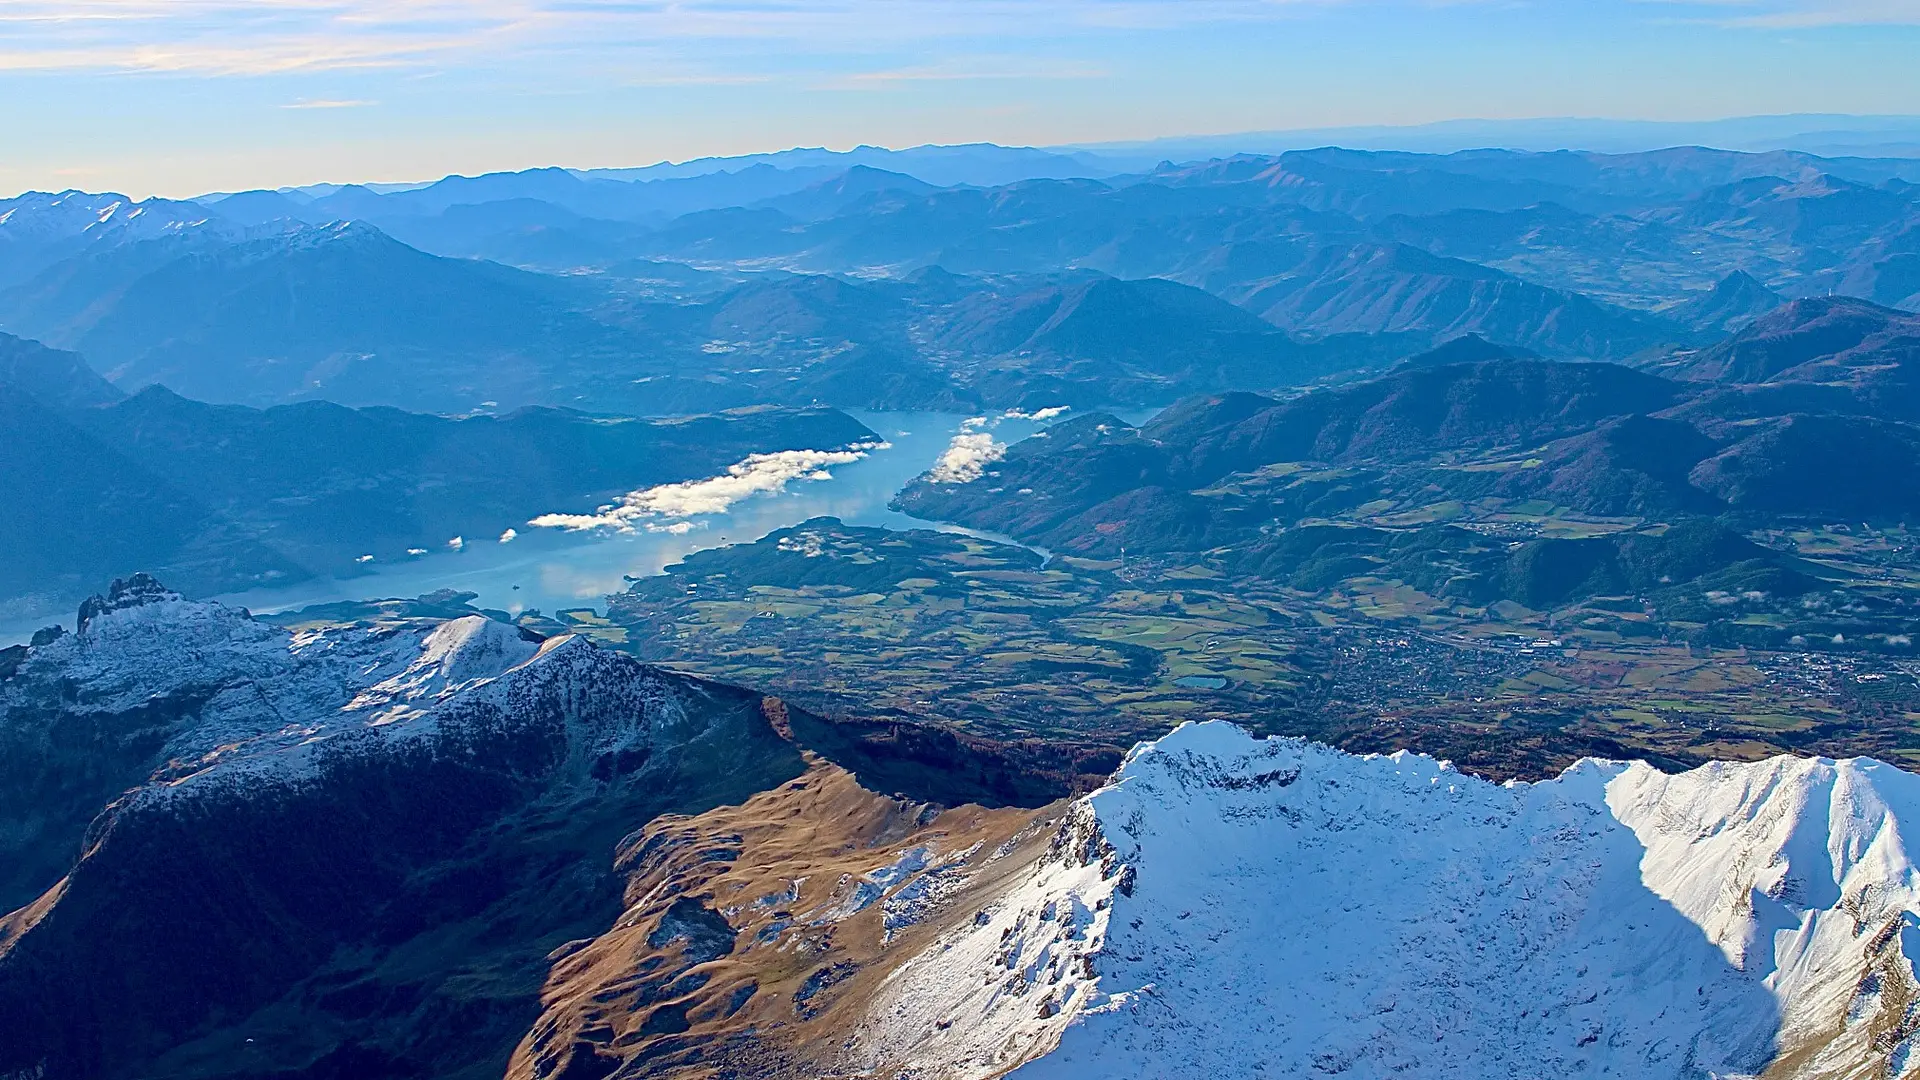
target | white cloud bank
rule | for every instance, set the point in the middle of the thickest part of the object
(974, 448)
(966, 458)
(759, 474)
(1042, 415)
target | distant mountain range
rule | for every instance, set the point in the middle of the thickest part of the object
(850, 280)
(1806, 415)
(1830, 134)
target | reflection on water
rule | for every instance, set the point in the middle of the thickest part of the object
(549, 570)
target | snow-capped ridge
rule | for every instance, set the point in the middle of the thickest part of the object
(1242, 907)
(128, 592)
(454, 656)
(256, 703)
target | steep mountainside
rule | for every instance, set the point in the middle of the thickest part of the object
(415, 819)
(54, 377)
(39, 228)
(1893, 281)
(1414, 412)
(223, 497)
(1599, 438)
(1825, 339)
(78, 507)
(343, 312)
(1363, 258)
(1539, 484)
(1074, 484)
(1137, 342)
(1243, 908)
(1401, 288)
(1737, 300)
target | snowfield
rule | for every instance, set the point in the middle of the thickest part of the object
(1235, 907)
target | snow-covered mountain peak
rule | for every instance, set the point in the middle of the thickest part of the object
(452, 657)
(231, 701)
(1244, 907)
(93, 218)
(242, 687)
(136, 645)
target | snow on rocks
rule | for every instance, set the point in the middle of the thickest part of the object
(257, 702)
(452, 657)
(1236, 907)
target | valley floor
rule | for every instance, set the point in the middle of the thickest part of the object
(980, 635)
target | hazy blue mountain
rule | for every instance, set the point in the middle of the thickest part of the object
(1815, 340)
(342, 312)
(53, 376)
(39, 229)
(1137, 342)
(1492, 235)
(1372, 185)
(1412, 412)
(1848, 467)
(75, 290)
(1095, 477)
(1815, 212)
(1810, 133)
(1646, 229)
(78, 506)
(1467, 349)
(1893, 281)
(1737, 300)
(839, 194)
(1224, 472)
(224, 496)
(977, 164)
(1398, 288)
(662, 291)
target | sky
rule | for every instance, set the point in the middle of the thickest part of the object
(179, 97)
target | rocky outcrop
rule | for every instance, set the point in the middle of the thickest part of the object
(122, 594)
(451, 848)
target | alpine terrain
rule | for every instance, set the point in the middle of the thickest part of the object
(418, 845)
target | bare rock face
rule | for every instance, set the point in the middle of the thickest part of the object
(125, 593)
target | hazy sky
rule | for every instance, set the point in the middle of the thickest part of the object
(184, 96)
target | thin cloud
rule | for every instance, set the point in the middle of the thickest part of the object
(1801, 14)
(962, 71)
(330, 103)
(260, 37)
